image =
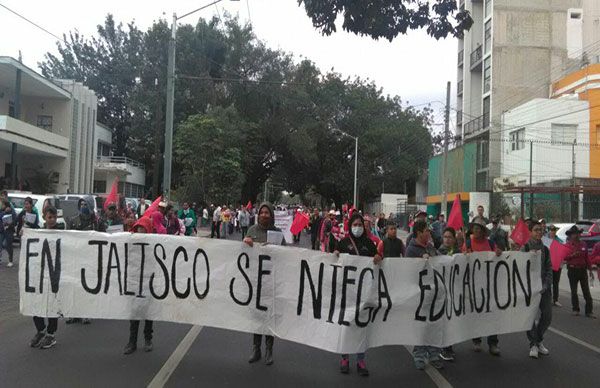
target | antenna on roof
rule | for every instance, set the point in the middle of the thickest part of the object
(20, 57)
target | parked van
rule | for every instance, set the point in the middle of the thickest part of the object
(40, 202)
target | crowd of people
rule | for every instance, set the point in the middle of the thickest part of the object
(347, 231)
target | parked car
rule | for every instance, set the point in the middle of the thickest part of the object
(40, 202)
(69, 203)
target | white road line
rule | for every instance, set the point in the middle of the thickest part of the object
(171, 364)
(575, 339)
(435, 375)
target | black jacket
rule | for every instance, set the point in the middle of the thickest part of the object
(365, 246)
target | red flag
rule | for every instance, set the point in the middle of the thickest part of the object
(455, 220)
(153, 207)
(113, 196)
(249, 205)
(300, 222)
(558, 252)
(521, 233)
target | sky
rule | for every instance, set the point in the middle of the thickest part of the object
(414, 66)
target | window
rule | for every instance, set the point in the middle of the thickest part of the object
(488, 36)
(103, 150)
(486, 112)
(575, 15)
(99, 186)
(44, 122)
(488, 7)
(517, 139)
(483, 150)
(563, 133)
(487, 74)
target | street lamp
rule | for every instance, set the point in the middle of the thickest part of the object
(355, 203)
(171, 99)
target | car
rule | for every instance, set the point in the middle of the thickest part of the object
(40, 202)
(588, 236)
(70, 203)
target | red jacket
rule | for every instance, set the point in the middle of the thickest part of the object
(579, 257)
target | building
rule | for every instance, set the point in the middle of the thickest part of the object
(511, 55)
(551, 147)
(46, 131)
(131, 174)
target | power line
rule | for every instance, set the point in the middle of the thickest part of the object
(31, 22)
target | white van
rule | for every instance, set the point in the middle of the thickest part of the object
(40, 202)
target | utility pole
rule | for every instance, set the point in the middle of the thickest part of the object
(265, 193)
(531, 179)
(355, 172)
(169, 111)
(444, 205)
(574, 214)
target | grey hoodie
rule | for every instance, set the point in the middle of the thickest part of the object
(533, 245)
(257, 232)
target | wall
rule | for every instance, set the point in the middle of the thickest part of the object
(460, 174)
(31, 107)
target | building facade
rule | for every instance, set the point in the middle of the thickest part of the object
(511, 55)
(46, 131)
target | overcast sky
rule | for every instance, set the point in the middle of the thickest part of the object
(415, 66)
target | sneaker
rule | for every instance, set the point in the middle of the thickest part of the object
(361, 368)
(148, 345)
(533, 352)
(543, 350)
(130, 348)
(557, 304)
(86, 321)
(477, 347)
(35, 341)
(447, 355)
(345, 366)
(48, 341)
(494, 350)
(10, 264)
(419, 364)
(590, 315)
(437, 364)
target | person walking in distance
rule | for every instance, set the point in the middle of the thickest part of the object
(244, 219)
(7, 230)
(480, 218)
(216, 223)
(188, 215)
(555, 274)
(258, 234)
(536, 334)
(44, 338)
(578, 264)
(315, 226)
(143, 225)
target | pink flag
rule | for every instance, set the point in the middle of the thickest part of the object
(300, 222)
(153, 207)
(113, 196)
(521, 233)
(558, 252)
(455, 220)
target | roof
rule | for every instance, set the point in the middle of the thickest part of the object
(32, 83)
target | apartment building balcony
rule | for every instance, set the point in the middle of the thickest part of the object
(459, 88)
(32, 139)
(130, 170)
(459, 119)
(477, 125)
(461, 56)
(477, 58)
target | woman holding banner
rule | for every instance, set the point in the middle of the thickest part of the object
(258, 233)
(357, 243)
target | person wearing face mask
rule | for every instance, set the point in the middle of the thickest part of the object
(357, 243)
(258, 233)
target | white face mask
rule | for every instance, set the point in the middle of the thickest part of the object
(357, 231)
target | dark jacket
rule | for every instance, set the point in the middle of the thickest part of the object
(9, 228)
(21, 223)
(500, 238)
(84, 222)
(315, 226)
(444, 250)
(393, 247)
(417, 250)
(365, 246)
(257, 232)
(533, 245)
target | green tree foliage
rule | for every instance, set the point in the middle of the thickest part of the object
(389, 18)
(244, 113)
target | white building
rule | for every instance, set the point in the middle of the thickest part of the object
(131, 174)
(512, 53)
(46, 131)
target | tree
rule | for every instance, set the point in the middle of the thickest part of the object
(388, 18)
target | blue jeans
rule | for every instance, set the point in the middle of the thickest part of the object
(424, 353)
(6, 242)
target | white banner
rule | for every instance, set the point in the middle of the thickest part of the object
(343, 305)
(283, 220)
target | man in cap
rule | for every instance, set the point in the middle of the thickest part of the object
(578, 264)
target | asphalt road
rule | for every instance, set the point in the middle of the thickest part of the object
(183, 356)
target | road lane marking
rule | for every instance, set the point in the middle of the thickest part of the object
(434, 374)
(575, 339)
(171, 364)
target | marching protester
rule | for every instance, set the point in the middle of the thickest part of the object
(216, 223)
(244, 220)
(204, 216)
(480, 218)
(258, 233)
(111, 218)
(143, 225)
(499, 235)
(315, 225)
(381, 223)
(225, 220)
(84, 220)
(189, 218)
(7, 230)
(369, 230)
(536, 334)
(449, 247)
(578, 264)
(555, 274)
(419, 215)
(129, 222)
(357, 243)
(420, 246)
(142, 207)
(437, 229)
(159, 221)
(44, 338)
(478, 241)
(391, 245)
(28, 218)
(175, 225)
(325, 232)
